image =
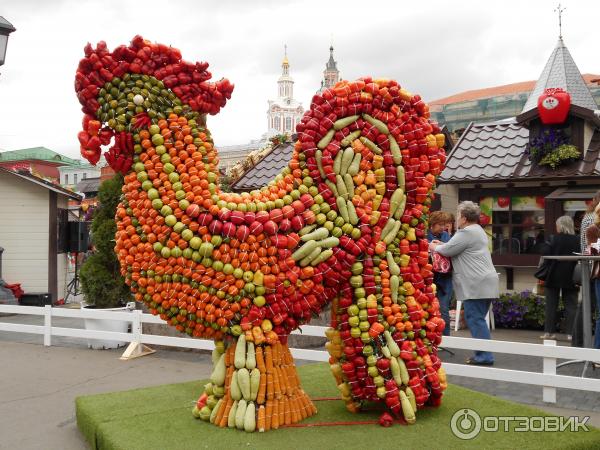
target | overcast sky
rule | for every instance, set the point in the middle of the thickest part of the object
(435, 48)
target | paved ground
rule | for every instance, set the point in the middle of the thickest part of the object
(39, 384)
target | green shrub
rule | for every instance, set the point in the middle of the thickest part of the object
(101, 280)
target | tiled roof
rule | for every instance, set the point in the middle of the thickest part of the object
(41, 182)
(496, 152)
(562, 72)
(40, 153)
(265, 169)
(88, 185)
(505, 89)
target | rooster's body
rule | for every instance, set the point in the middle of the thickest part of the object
(343, 224)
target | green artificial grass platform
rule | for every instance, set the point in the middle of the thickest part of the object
(160, 418)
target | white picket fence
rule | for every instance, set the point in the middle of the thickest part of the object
(549, 351)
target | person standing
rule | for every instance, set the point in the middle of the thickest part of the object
(560, 277)
(592, 235)
(443, 281)
(588, 220)
(474, 276)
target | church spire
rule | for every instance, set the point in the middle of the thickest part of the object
(285, 82)
(331, 74)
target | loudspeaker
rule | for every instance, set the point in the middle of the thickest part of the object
(79, 236)
(36, 299)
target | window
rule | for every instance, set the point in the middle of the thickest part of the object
(84, 176)
(277, 123)
(514, 224)
(288, 123)
(74, 178)
(66, 178)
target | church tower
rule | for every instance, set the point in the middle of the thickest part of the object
(331, 74)
(285, 112)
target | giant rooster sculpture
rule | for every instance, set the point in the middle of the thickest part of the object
(343, 224)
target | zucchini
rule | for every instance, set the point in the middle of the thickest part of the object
(350, 138)
(371, 145)
(342, 208)
(250, 356)
(307, 260)
(400, 177)
(319, 158)
(401, 208)
(307, 229)
(333, 188)
(318, 234)
(305, 250)
(347, 157)
(240, 352)
(323, 256)
(337, 162)
(393, 267)
(407, 409)
(394, 286)
(381, 127)
(394, 349)
(234, 389)
(344, 122)
(240, 414)
(329, 242)
(254, 383)
(232, 414)
(395, 149)
(349, 182)
(250, 418)
(355, 165)
(341, 187)
(392, 234)
(395, 200)
(352, 213)
(218, 375)
(325, 140)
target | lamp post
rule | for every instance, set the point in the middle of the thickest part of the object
(5, 29)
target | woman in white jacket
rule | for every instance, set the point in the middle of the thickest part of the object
(474, 276)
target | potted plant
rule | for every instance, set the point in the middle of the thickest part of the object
(552, 148)
(101, 282)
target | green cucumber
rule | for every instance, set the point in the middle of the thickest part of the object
(344, 122)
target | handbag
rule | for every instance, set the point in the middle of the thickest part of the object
(543, 269)
(440, 263)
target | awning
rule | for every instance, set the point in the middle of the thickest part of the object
(573, 193)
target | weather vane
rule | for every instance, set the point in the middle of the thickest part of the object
(560, 10)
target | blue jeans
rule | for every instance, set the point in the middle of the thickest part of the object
(475, 312)
(597, 328)
(443, 284)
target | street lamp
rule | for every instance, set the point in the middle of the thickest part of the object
(5, 29)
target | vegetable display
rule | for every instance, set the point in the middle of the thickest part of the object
(343, 224)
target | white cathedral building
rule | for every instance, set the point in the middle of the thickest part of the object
(284, 112)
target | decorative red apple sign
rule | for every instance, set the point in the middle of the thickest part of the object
(553, 106)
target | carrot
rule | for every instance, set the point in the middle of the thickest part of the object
(268, 415)
(269, 359)
(262, 389)
(229, 355)
(221, 411)
(287, 410)
(275, 415)
(282, 380)
(261, 419)
(228, 377)
(260, 360)
(281, 411)
(276, 384)
(270, 386)
(223, 422)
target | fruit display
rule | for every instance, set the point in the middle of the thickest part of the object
(343, 224)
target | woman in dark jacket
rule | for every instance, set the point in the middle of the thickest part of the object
(560, 277)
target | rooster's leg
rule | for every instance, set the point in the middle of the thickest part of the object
(253, 387)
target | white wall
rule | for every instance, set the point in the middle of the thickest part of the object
(24, 233)
(61, 258)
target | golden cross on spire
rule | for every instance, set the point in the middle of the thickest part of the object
(559, 10)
